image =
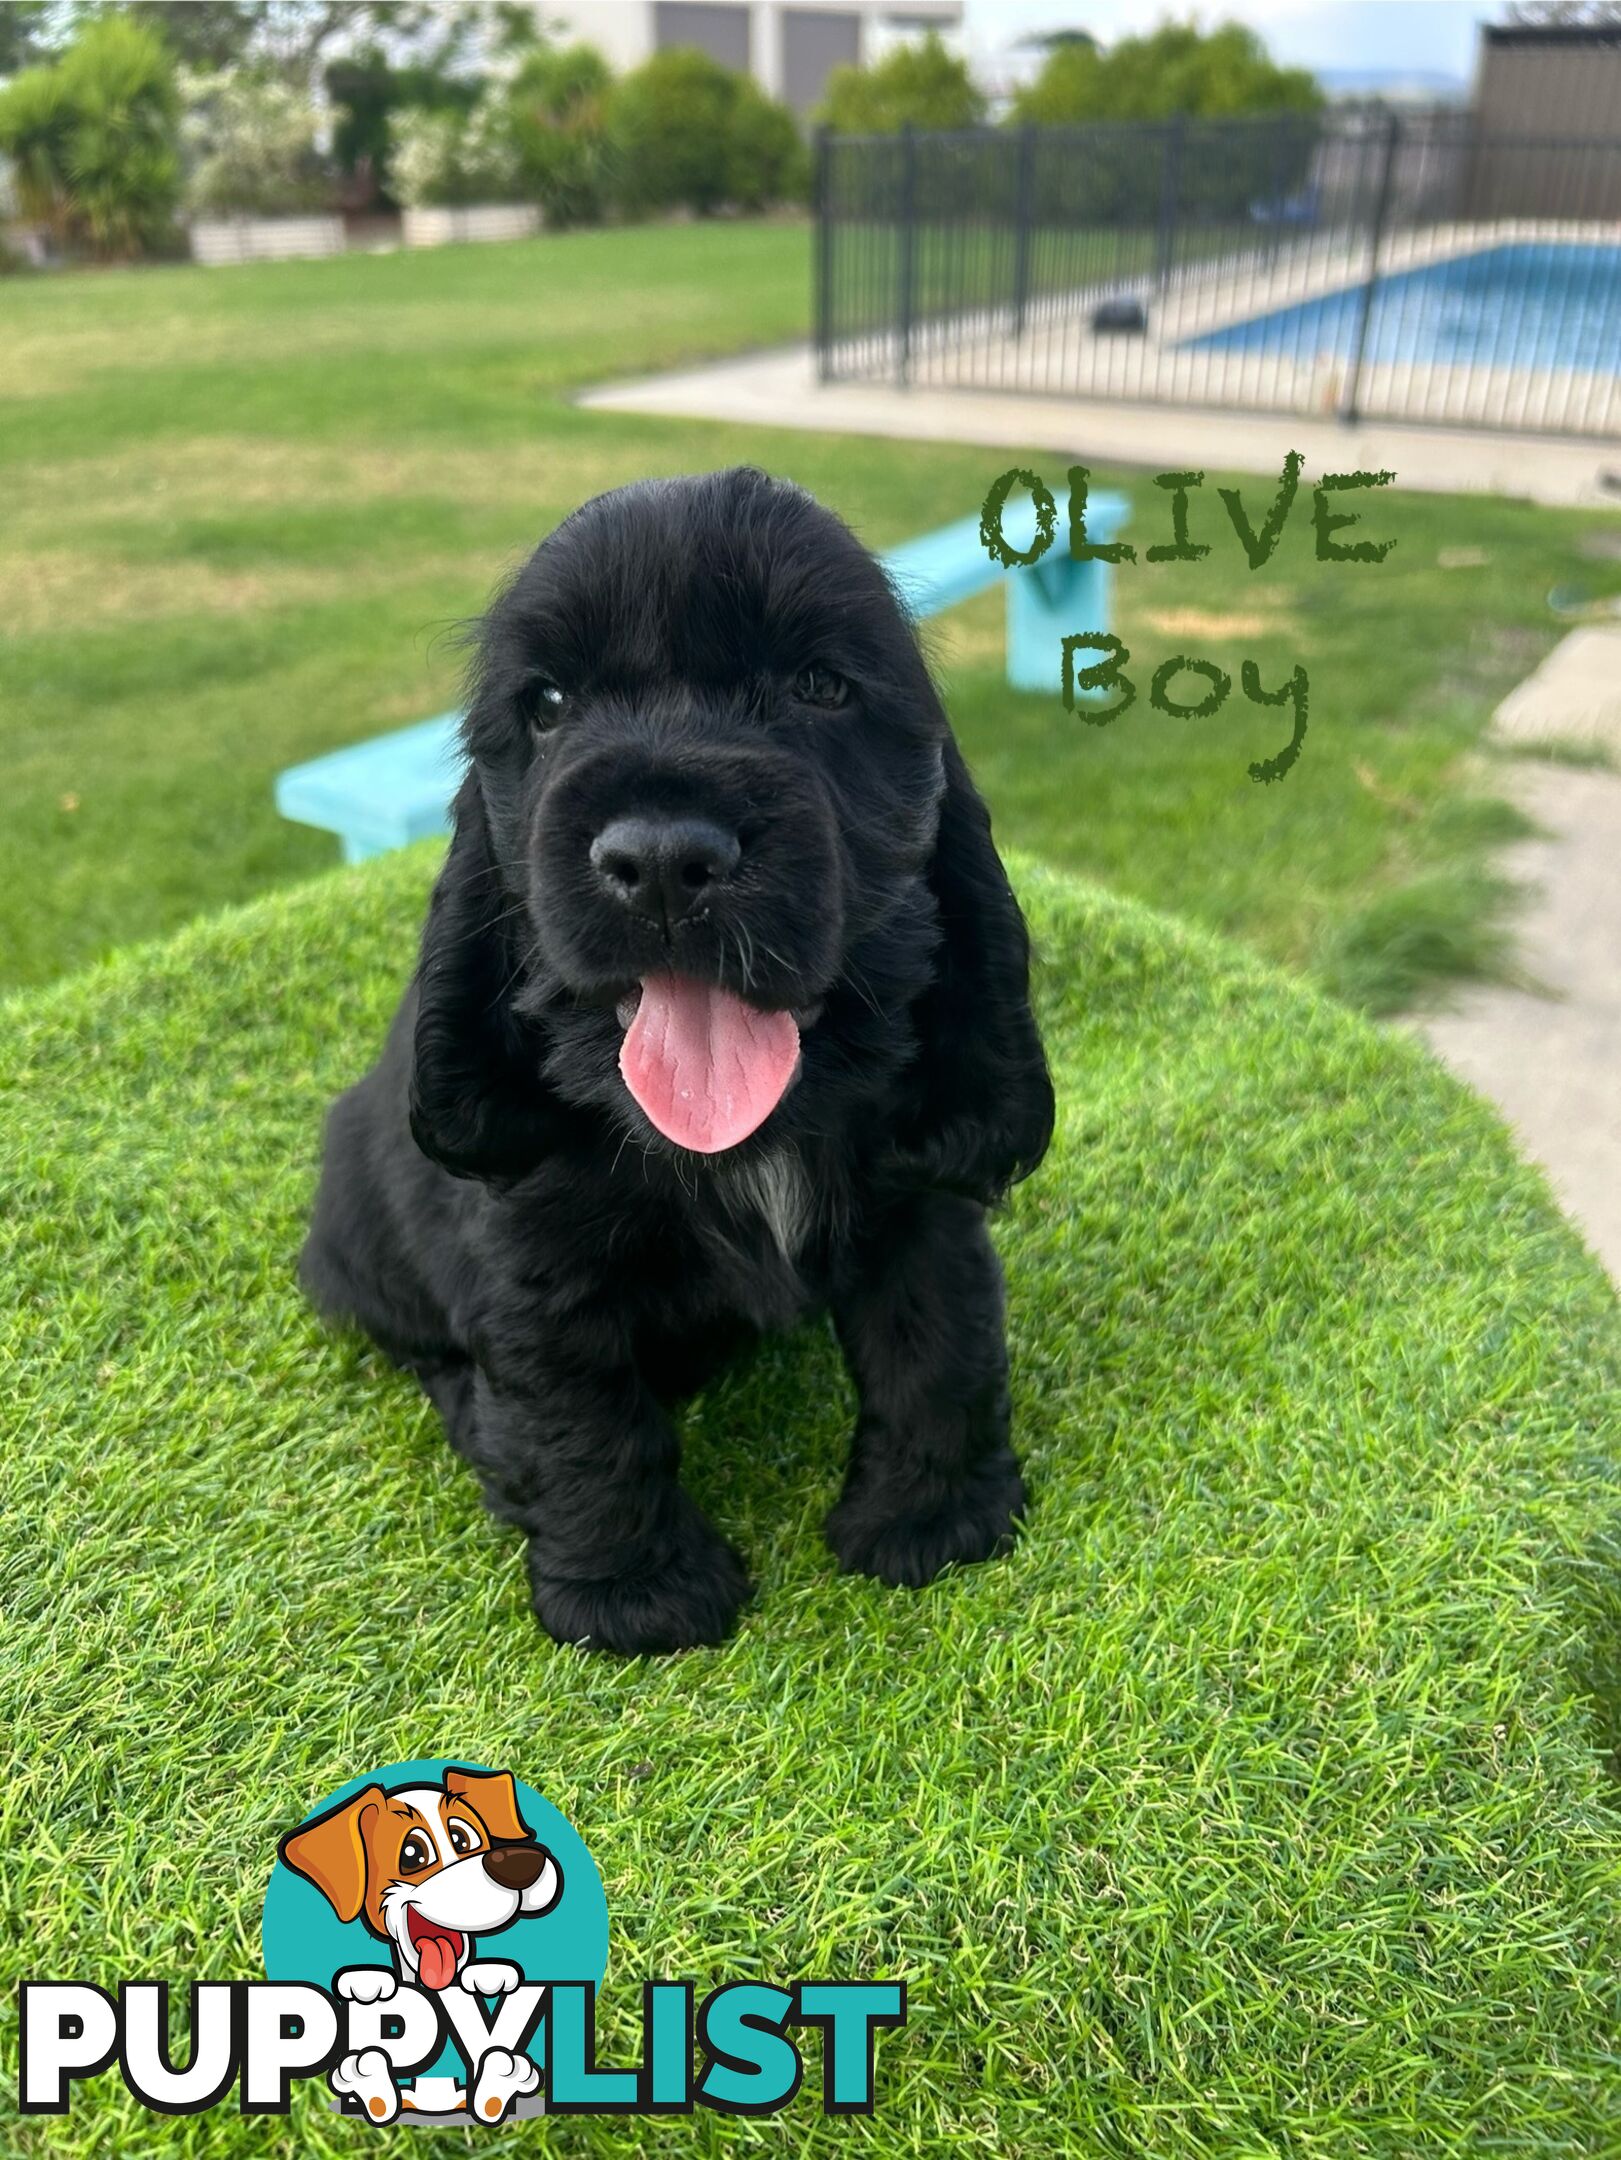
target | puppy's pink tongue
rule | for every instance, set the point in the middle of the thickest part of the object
(705, 1067)
(436, 1961)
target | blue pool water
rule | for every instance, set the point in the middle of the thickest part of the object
(1552, 305)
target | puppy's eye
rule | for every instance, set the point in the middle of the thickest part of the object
(549, 702)
(416, 1853)
(820, 686)
(461, 1838)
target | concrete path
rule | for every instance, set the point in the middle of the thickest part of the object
(779, 389)
(1551, 1062)
(1574, 698)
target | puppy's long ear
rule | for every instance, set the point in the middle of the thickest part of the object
(479, 1105)
(331, 1852)
(982, 1113)
(494, 1799)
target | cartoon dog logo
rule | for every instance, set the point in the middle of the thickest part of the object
(427, 1869)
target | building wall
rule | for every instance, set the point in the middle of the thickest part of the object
(621, 30)
(1548, 82)
(1547, 108)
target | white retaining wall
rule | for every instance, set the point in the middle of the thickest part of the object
(215, 241)
(475, 221)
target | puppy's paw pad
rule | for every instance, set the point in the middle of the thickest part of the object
(366, 1984)
(909, 1548)
(502, 2078)
(689, 1591)
(490, 1978)
(368, 2079)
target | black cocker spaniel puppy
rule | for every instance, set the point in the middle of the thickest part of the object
(722, 1016)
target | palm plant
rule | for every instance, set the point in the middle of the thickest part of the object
(93, 141)
(35, 125)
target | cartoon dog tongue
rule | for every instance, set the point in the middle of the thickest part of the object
(706, 1068)
(436, 1956)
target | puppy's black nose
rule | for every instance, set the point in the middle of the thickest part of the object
(663, 867)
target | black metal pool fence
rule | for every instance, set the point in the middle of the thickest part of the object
(1362, 264)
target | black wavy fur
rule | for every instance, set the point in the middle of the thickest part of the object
(496, 1212)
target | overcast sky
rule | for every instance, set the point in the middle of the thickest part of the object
(1433, 36)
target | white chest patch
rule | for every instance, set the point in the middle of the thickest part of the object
(774, 1188)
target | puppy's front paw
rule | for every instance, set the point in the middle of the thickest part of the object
(490, 1977)
(367, 1984)
(908, 1546)
(687, 1591)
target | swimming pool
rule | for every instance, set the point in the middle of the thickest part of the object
(1555, 305)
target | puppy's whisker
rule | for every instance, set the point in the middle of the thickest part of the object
(862, 989)
(526, 960)
(480, 930)
(745, 961)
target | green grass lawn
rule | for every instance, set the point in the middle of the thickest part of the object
(1256, 1806)
(243, 509)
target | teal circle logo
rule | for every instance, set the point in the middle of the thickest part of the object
(435, 1897)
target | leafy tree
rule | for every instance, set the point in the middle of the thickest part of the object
(369, 93)
(683, 130)
(293, 36)
(1177, 68)
(298, 35)
(23, 26)
(918, 84)
(201, 33)
(1068, 89)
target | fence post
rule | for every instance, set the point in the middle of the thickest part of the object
(1350, 408)
(904, 299)
(822, 296)
(1023, 213)
(1170, 188)
(1279, 145)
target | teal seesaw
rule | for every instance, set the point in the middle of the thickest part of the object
(397, 788)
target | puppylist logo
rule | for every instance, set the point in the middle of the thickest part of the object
(434, 1937)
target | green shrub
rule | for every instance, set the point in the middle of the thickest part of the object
(1177, 68)
(1250, 130)
(766, 160)
(917, 85)
(686, 132)
(253, 142)
(94, 140)
(558, 104)
(446, 159)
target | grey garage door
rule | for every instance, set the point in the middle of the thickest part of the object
(722, 32)
(814, 42)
